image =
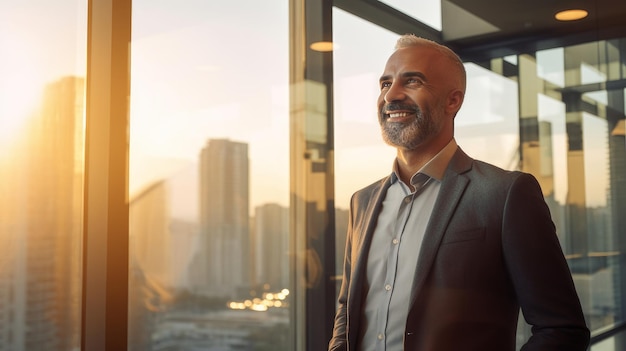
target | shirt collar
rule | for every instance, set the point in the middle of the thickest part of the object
(435, 167)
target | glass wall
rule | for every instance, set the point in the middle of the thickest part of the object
(209, 176)
(42, 85)
(572, 139)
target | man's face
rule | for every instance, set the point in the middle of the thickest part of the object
(412, 98)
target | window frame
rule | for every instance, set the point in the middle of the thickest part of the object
(105, 226)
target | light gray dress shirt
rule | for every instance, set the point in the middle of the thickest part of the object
(393, 253)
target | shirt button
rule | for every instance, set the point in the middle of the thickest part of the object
(380, 336)
(395, 241)
(407, 199)
(387, 287)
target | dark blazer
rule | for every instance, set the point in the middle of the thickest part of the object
(490, 248)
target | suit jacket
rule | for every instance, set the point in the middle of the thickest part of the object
(490, 248)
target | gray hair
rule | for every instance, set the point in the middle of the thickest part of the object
(411, 40)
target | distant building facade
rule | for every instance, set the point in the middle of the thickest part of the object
(222, 261)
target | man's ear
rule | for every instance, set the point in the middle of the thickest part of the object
(455, 100)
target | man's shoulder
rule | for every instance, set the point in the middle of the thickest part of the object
(463, 163)
(491, 176)
(489, 168)
(486, 172)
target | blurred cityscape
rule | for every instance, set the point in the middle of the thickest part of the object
(220, 282)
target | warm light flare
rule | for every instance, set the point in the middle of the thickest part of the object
(20, 92)
(15, 112)
(269, 300)
(259, 307)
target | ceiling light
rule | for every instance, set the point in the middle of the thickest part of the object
(571, 15)
(322, 46)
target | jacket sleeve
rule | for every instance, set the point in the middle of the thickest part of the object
(339, 340)
(539, 271)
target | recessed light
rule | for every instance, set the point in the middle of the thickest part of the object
(322, 46)
(571, 15)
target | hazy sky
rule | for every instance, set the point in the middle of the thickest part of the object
(40, 42)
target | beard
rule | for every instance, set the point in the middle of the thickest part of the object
(408, 135)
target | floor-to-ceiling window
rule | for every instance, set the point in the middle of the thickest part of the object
(209, 176)
(579, 117)
(42, 95)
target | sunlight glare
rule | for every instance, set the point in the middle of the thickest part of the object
(19, 92)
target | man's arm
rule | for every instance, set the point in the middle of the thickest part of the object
(539, 271)
(339, 341)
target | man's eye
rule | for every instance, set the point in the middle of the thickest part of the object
(385, 85)
(413, 81)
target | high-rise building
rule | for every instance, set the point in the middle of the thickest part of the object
(220, 268)
(41, 261)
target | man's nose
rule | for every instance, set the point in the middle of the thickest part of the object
(394, 93)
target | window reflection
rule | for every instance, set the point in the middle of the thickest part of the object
(581, 157)
(209, 176)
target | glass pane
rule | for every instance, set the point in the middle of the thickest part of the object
(41, 171)
(425, 11)
(209, 176)
(579, 161)
(550, 66)
(357, 68)
(596, 165)
(487, 126)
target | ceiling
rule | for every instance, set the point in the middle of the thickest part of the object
(480, 29)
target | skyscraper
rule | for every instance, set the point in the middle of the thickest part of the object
(220, 268)
(41, 205)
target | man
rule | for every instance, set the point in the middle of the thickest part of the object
(441, 254)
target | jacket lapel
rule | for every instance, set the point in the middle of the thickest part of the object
(452, 188)
(373, 205)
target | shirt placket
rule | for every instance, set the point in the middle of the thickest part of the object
(392, 265)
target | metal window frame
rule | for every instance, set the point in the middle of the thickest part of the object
(105, 244)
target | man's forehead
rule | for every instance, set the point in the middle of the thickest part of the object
(409, 60)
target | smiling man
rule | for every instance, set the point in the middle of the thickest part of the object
(442, 253)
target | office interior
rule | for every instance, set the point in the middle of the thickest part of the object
(175, 175)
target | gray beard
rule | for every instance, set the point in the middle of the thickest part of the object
(409, 135)
(402, 135)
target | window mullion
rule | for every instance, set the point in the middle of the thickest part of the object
(105, 255)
